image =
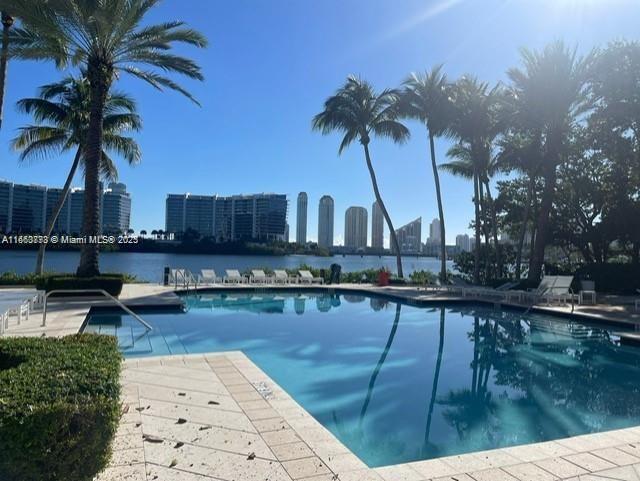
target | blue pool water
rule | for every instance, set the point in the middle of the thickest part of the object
(398, 383)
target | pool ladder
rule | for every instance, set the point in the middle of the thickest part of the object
(88, 291)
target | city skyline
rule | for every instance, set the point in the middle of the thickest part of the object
(207, 148)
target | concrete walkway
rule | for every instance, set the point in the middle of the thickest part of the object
(219, 417)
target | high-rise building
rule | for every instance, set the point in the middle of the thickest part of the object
(260, 217)
(301, 218)
(325, 222)
(435, 235)
(116, 209)
(62, 222)
(410, 237)
(29, 208)
(6, 199)
(355, 228)
(377, 227)
(463, 243)
(76, 209)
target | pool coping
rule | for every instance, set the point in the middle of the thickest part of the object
(609, 454)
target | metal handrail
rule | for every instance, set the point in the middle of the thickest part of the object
(86, 291)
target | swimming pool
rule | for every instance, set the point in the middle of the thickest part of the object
(397, 383)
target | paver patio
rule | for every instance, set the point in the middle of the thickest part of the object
(217, 416)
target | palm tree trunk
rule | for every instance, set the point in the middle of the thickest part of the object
(436, 377)
(494, 221)
(443, 242)
(542, 229)
(476, 202)
(56, 211)
(485, 230)
(392, 233)
(7, 23)
(99, 78)
(523, 228)
(383, 357)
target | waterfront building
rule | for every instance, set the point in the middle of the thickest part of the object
(355, 228)
(377, 227)
(6, 198)
(301, 218)
(463, 243)
(29, 208)
(76, 208)
(410, 237)
(116, 209)
(435, 234)
(62, 222)
(325, 222)
(259, 217)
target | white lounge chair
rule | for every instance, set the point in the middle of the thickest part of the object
(280, 276)
(307, 278)
(208, 276)
(234, 277)
(553, 288)
(258, 276)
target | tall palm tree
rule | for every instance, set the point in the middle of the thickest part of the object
(426, 97)
(105, 39)
(519, 151)
(359, 112)
(61, 112)
(550, 95)
(475, 125)
(7, 23)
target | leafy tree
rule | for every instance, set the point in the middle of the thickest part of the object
(426, 97)
(475, 124)
(359, 112)
(106, 39)
(549, 94)
(61, 112)
(7, 23)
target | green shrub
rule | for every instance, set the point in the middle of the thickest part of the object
(13, 279)
(612, 278)
(423, 277)
(59, 406)
(112, 283)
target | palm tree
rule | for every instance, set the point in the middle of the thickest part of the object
(61, 112)
(359, 112)
(550, 95)
(105, 39)
(519, 152)
(426, 97)
(7, 23)
(475, 125)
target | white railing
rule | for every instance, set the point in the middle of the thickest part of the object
(88, 291)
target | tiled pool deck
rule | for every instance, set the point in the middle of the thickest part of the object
(217, 416)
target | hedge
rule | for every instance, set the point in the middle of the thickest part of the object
(112, 283)
(612, 278)
(59, 406)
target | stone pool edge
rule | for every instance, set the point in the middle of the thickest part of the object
(329, 459)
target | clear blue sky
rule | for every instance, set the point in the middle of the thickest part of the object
(270, 66)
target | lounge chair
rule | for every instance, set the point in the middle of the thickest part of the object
(307, 278)
(280, 276)
(259, 277)
(234, 277)
(587, 289)
(208, 276)
(553, 288)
